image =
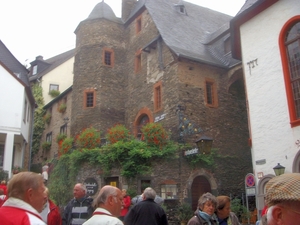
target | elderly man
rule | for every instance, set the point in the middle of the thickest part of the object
(26, 198)
(283, 199)
(146, 212)
(109, 203)
(80, 208)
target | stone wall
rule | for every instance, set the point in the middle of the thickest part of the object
(121, 94)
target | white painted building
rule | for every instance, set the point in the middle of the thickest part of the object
(16, 110)
(55, 73)
(263, 32)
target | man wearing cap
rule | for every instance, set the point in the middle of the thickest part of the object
(283, 199)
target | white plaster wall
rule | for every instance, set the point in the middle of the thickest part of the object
(273, 138)
(26, 125)
(61, 75)
(11, 102)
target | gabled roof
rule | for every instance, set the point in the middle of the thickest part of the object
(9, 60)
(189, 34)
(50, 64)
(16, 69)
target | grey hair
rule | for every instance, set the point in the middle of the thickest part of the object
(83, 187)
(149, 193)
(205, 198)
(103, 195)
(21, 182)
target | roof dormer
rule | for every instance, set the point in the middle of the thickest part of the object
(180, 7)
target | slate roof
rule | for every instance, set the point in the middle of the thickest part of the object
(247, 5)
(102, 10)
(19, 71)
(198, 34)
(9, 60)
(51, 63)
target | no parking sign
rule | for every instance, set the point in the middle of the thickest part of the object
(250, 184)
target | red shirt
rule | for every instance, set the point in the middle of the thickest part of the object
(126, 206)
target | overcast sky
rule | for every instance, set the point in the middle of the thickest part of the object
(30, 28)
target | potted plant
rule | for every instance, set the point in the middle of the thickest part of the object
(46, 146)
(16, 169)
(47, 118)
(184, 213)
(62, 108)
(54, 93)
(60, 137)
(240, 210)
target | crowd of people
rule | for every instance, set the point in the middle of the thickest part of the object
(26, 201)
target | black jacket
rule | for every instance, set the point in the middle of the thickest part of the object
(146, 212)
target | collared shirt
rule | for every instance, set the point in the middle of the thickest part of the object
(102, 216)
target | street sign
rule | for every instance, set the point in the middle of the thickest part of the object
(250, 180)
(250, 191)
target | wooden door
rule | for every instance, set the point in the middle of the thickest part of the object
(200, 186)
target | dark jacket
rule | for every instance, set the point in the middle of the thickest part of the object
(198, 220)
(78, 209)
(233, 218)
(146, 212)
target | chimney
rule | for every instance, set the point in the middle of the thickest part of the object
(127, 6)
(39, 58)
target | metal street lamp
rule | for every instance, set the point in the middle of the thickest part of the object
(279, 169)
(204, 144)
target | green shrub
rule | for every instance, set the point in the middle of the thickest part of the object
(46, 146)
(62, 108)
(60, 137)
(89, 138)
(54, 93)
(118, 133)
(47, 118)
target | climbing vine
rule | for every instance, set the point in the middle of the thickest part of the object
(133, 157)
(39, 125)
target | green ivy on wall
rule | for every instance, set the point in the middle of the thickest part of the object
(39, 125)
(133, 157)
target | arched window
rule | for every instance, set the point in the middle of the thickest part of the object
(289, 43)
(144, 119)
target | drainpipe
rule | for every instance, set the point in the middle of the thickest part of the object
(31, 136)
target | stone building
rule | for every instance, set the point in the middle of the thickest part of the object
(164, 60)
(59, 110)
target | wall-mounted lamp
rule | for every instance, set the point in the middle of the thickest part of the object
(204, 144)
(279, 169)
(66, 120)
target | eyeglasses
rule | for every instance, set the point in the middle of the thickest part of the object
(293, 211)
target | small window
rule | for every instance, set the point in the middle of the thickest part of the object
(63, 129)
(54, 87)
(182, 9)
(138, 61)
(89, 99)
(28, 113)
(34, 70)
(49, 137)
(1, 155)
(138, 24)
(108, 57)
(211, 93)
(169, 191)
(227, 46)
(25, 111)
(158, 96)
